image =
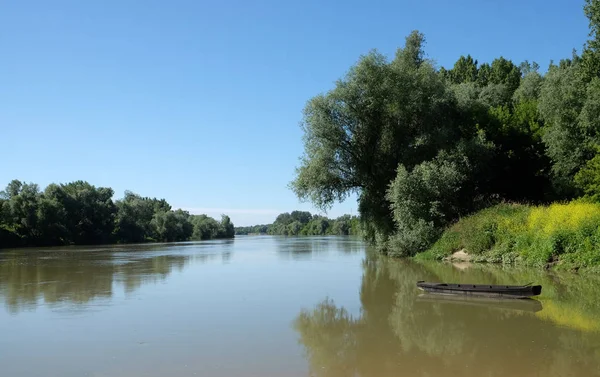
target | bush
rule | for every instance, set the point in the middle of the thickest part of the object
(567, 234)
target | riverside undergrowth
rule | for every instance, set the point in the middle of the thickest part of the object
(562, 235)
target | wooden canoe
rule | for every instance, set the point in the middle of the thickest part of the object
(482, 290)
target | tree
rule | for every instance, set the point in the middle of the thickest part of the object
(172, 226)
(90, 212)
(529, 89)
(205, 228)
(381, 114)
(464, 70)
(505, 72)
(484, 75)
(53, 217)
(226, 229)
(427, 198)
(302, 217)
(591, 52)
(569, 144)
(134, 216)
(293, 229)
(318, 226)
(20, 210)
(588, 178)
(80, 213)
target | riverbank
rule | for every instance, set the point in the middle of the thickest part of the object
(556, 236)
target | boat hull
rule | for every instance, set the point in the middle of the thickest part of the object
(481, 290)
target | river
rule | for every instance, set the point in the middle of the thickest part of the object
(274, 306)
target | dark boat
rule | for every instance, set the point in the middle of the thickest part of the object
(505, 291)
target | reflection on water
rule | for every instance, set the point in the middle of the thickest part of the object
(526, 305)
(307, 248)
(400, 332)
(67, 277)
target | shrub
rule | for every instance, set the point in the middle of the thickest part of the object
(533, 235)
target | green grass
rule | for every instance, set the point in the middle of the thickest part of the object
(565, 235)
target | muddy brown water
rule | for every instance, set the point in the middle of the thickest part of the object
(275, 306)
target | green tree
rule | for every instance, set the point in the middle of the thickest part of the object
(172, 226)
(381, 114)
(591, 51)
(318, 226)
(427, 198)
(204, 227)
(20, 210)
(53, 217)
(484, 75)
(90, 212)
(134, 217)
(505, 72)
(569, 145)
(341, 226)
(80, 213)
(302, 217)
(464, 70)
(294, 228)
(588, 178)
(226, 227)
(530, 87)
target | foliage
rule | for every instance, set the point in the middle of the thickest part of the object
(381, 114)
(561, 101)
(79, 213)
(588, 179)
(563, 234)
(134, 217)
(389, 130)
(591, 51)
(306, 224)
(206, 228)
(423, 200)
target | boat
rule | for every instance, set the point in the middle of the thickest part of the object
(524, 304)
(481, 290)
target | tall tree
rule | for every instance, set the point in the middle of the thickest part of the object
(591, 51)
(464, 70)
(90, 212)
(381, 114)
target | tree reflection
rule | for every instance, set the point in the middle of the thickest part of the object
(76, 276)
(304, 248)
(399, 334)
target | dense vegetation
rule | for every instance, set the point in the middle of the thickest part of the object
(305, 223)
(79, 213)
(532, 235)
(423, 145)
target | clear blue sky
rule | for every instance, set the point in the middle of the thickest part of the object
(199, 101)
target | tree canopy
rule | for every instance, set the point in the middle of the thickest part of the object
(304, 223)
(78, 213)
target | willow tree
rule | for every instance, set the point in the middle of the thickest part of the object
(381, 114)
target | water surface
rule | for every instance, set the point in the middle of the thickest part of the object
(275, 306)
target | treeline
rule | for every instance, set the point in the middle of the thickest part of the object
(304, 223)
(79, 213)
(424, 145)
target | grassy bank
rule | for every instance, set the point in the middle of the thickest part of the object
(562, 235)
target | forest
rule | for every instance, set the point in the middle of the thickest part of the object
(78, 213)
(303, 223)
(423, 146)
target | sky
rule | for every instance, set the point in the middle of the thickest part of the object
(199, 102)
